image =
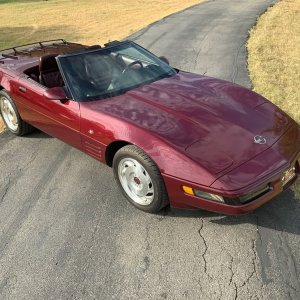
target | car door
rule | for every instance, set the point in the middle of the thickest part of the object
(60, 119)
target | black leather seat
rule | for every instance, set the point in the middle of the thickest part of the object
(49, 72)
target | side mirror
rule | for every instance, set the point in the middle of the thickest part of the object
(55, 93)
(164, 59)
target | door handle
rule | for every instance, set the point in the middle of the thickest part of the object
(22, 89)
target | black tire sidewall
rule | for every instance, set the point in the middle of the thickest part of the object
(160, 194)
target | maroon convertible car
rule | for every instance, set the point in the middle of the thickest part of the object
(172, 137)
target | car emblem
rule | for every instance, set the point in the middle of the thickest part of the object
(258, 139)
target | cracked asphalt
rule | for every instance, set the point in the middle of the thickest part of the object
(67, 233)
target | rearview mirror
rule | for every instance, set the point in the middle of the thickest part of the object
(55, 93)
(164, 59)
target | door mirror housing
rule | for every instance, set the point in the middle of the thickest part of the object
(55, 93)
(164, 59)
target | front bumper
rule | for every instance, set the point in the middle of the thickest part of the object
(178, 199)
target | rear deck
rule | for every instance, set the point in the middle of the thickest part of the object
(33, 51)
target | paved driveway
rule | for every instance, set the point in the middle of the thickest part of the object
(67, 233)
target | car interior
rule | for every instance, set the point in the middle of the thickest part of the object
(46, 72)
(92, 73)
(100, 72)
(49, 74)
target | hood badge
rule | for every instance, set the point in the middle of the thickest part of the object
(258, 139)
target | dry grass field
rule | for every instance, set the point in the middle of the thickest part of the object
(86, 21)
(274, 56)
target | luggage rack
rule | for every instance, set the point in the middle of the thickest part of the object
(43, 46)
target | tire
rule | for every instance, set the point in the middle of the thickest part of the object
(139, 179)
(11, 116)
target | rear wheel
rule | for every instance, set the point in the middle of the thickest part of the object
(139, 179)
(11, 116)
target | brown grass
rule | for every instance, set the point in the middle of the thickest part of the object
(86, 21)
(274, 58)
(1, 125)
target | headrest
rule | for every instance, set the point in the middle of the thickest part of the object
(93, 47)
(48, 62)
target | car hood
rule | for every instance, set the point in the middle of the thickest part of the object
(212, 121)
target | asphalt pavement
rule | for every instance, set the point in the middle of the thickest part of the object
(66, 232)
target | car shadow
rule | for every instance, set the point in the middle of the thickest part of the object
(37, 134)
(280, 214)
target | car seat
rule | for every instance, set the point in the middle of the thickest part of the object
(49, 72)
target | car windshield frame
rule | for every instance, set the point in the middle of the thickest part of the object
(63, 65)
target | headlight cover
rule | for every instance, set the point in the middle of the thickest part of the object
(200, 194)
(208, 196)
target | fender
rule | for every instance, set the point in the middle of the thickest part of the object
(5, 82)
(163, 154)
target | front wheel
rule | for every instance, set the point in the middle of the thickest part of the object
(139, 179)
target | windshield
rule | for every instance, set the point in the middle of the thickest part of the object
(109, 72)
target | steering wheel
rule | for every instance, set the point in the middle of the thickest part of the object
(117, 80)
(136, 62)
